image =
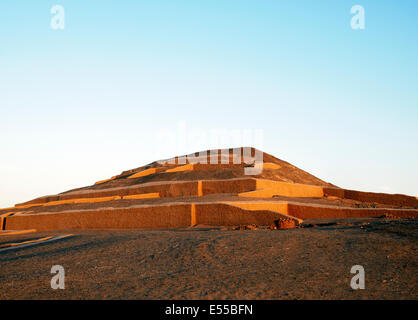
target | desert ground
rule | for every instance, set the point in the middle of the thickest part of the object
(203, 262)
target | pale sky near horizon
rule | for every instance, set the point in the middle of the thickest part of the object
(89, 101)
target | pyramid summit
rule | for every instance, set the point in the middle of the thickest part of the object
(211, 188)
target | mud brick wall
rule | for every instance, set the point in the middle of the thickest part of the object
(218, 214)
(167, 216)
(310, 212)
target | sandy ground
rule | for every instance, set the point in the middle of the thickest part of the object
(210, 263)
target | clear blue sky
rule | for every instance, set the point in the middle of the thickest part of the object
(84, 103)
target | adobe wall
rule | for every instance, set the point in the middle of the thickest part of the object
(219, 214)
(167, 216)
(291, 189)
(186, 167)
(169, 189)
(335, 192)
(143, 173)
(261, 205)
(177, 189)
(163, 216)
(281, 208)
(261, 193)
(142, 196)
(182, 215)
(228, 186)
(310, 212)
(383, 198)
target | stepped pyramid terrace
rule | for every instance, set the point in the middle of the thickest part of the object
(228, 187)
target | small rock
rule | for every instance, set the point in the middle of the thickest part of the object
(285, 224)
